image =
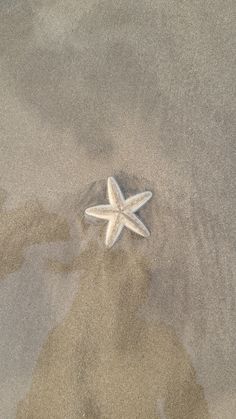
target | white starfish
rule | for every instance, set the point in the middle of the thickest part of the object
(120, 212)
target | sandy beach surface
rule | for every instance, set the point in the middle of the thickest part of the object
(143, 91)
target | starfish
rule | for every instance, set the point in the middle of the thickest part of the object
(120, 212)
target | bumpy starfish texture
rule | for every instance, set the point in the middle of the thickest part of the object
(120, 212)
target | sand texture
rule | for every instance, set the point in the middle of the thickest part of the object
(142, 90)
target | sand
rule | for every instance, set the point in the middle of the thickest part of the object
(143, 91)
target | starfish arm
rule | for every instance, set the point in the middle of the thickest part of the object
(115, 195)
(114, 228)
(135, 224)
(105, 212)
(135, 202)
